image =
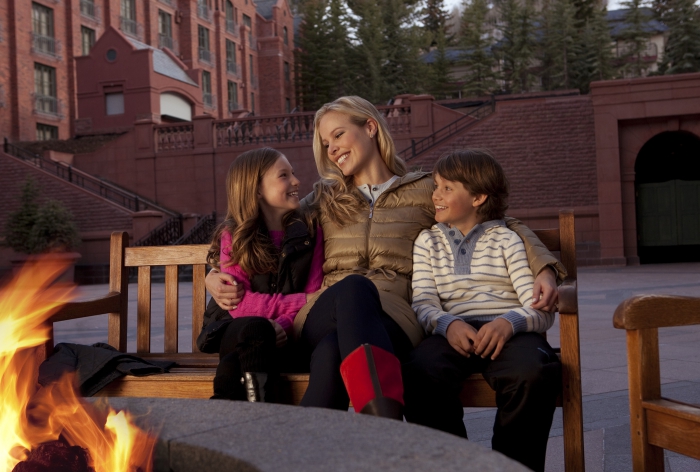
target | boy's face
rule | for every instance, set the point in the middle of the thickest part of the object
(455, 205)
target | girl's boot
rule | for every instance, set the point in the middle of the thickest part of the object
(372, 377)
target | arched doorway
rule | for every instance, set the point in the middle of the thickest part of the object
(667, 188)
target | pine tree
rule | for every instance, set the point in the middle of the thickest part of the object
(311, 59)
(480, 78)
(402, 70)
(682, 52)
(439, 76)
(517, 47)
(633, 39)
(560, 38)
(337, 49)
(434, 20)
(368, 55)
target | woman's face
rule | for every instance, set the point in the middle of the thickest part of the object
(350, 147)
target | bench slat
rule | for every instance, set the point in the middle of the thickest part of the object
(171, 308)
(143, 311)
(188, 254)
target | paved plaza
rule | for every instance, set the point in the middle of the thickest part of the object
(603, 353)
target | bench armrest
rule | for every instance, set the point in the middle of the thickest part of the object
(568, 297)
(657, 311)
(110, 303)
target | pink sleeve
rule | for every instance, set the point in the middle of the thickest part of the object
(278, 307)
(315, 279)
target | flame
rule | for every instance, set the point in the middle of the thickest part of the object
(31, 416)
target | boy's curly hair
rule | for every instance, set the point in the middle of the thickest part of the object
(480, 174)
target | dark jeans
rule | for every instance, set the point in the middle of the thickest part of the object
(526, 377)
(345, 316)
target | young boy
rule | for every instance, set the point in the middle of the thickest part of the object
(472, 291)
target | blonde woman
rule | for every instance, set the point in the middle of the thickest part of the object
(371, 210)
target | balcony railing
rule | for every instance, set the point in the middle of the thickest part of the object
(45, 44)
(232, 68)
(254, 81)
(203, 11)
(88, 9)
(205, 55)
(167, 2)
(232, 27)
(46, 104)
(233, 105)
(165, 41)
(252, 42)
(129, 26)
(209, 100)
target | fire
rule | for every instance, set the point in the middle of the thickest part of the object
(30, 416)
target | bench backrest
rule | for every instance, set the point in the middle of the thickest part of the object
(123, 257)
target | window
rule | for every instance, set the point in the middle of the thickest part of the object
(46, 100)
(203, 10)
(285, 35)
(42, 29)
(87, 38)
(232, 96)
(128, 17)
(231, 65)
(46, 132)
(207, 97)
(230, 12)
(114, 103)
(252, 102)
(165, 30)
(87, 8)
(204, 52)
(287, 105)
(286, 71)
(252, 71)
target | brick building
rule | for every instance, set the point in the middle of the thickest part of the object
(232, 49)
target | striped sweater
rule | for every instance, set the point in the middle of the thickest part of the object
(481, 276)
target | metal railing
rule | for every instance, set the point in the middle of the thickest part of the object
(129, 26)
(419, 147)
(88, 9)
(252, 42)
(203, 11)
(232, 27)
(90, 183)
(205, 55)
(165, 234)
(201, 232)
(209, 100)
(167, 2)
(45, 44)
(233, 106)
(254, 81)
(165, 41)
(46, 104)
(232, 68)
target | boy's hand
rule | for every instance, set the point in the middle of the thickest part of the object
(544, 292)
(461, 337)
(280, 335)
(492, 337)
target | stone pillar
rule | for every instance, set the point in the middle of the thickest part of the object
(422, 116)
(145, 221)
(145, 135)
(203, 131)
(188, 221)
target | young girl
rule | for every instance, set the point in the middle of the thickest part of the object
(275, 253)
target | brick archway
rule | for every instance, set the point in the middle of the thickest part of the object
(628, 113)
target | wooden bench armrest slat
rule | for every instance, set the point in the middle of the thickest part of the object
(110, 303)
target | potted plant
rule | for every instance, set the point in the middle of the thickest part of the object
(42, 229)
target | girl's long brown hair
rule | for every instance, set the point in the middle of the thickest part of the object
(251, 248)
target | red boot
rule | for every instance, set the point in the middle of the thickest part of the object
(372, 377)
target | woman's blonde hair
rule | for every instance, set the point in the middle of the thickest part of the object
(332, 191)
(251, 248)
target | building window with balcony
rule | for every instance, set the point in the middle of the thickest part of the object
(165, 30)
(87, 9)
(253, 77)
(87, 39)
(231, 63)
(43, 39)
(249, 23)
(204, 51)
(46, 132)
(128, 17)
(207, 97)
(286, 71)
(232, 96)
(46, 100)
(285, 36)
(204, 10)
(231, 25)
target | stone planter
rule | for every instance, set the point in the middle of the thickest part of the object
(70, 258)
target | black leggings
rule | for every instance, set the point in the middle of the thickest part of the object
(345, 316)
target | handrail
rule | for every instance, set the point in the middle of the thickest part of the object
(124, 198)
(201, 232)
(463, 122)
(166, 233)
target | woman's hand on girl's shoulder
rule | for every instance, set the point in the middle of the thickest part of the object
(224, 289)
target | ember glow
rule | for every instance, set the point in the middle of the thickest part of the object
(29, 415)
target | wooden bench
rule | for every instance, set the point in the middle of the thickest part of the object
(656, 423)
(194, 372)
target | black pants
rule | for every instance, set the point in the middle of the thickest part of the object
(345, 316)
(248, 345)
(526, 377)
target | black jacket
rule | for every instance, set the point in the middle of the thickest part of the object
(292, 274)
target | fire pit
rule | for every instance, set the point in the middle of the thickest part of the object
(219, 435)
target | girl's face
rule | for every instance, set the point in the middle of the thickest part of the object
(278, 193)
(455, 205)
(349, 146)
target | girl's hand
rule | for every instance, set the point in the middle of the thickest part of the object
(545, 293)
(281, 336)
(224, 289)
(492, 337)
